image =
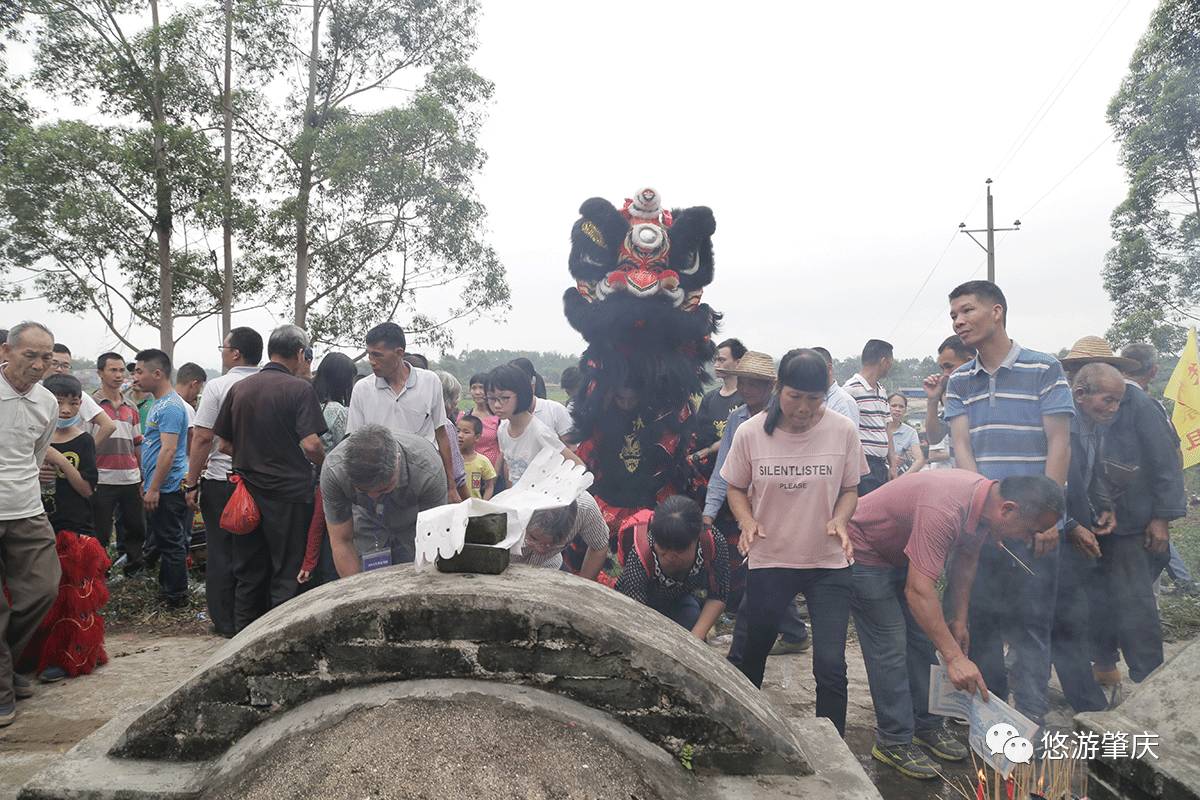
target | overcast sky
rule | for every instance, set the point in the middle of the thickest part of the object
(839, 146)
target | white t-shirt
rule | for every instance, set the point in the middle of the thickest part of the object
(215, 391)
(418, 409)
(520, 451)
(553, 414)
(88, 408)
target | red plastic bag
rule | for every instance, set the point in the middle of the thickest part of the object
(241, 514)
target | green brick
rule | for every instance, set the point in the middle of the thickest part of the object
(477, 558)
(488, 529)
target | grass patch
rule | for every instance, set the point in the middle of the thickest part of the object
(1181, 613)
(133, 605)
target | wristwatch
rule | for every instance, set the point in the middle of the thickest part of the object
(189, 489)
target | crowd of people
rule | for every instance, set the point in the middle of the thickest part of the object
(1041, 494)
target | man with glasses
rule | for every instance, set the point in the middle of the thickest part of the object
(401, 397)
(207, 486)
(101, 426)
(373, 485)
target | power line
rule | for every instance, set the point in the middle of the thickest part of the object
(1070, 172)
(1057, 92)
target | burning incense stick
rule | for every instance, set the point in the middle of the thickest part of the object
(1024, 566)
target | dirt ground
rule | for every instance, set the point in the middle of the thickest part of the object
(144, 665)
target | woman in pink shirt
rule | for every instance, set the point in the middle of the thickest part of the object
(486, 442)
(793, 474)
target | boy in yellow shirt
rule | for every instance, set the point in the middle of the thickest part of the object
(481, 475)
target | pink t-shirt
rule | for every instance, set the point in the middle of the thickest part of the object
(794, 480)
(486, 442)
(918, 517)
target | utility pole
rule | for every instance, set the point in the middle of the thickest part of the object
(990, 230)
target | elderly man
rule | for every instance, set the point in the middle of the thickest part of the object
(1146, 356)
(373, 485)
(903, 535)
(550, 530)
(28, 416)
(1141, 484)
(1098, 390)
(271, 424)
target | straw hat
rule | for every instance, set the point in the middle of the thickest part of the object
(1094, 350)
(752, 365)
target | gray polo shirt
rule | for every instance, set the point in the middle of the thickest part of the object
(390, 520)
(418, 408)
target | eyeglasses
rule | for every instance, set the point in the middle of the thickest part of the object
(226, 347)
(500, 398)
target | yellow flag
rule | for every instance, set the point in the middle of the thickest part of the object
(1184, 389)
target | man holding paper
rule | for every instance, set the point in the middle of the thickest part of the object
(904, 534)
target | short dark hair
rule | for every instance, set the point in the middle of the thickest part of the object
(388, 334)
(476, 423)
(986, 291)
(64, 386)
(961, 349)
(512, 378)
(526, 366)
(823, 353)
(900, 395)
(571, 380)
(736, 348)
(155, 359)
(248, 342)
(59, 347)
(417, 360)
(1145, 354)
(875, 350)
(103, 359)
(191, 372)
(558, 522)
(1035, 494)
(677, 522)
(478, 377)
(3, 335)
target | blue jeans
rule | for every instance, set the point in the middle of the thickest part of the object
(896, 652)
(769, 591)
(1009, 604)
(166, 528)
(1176, 568)
(685, 610)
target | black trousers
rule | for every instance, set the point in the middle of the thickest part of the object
(1124, 611)
(1071, 645)
(877, 477)
(769, 592)
(128, 498)
(267, 560)
(219, 580)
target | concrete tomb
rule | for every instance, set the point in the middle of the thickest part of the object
(347, 670)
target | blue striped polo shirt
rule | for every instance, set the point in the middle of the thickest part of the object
(1005, 409)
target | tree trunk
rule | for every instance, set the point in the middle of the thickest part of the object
(307, 148)
(162, 195)
(227, 196)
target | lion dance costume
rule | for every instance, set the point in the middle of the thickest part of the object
(640, 272)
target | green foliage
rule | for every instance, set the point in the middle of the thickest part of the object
(685, 756)
(1153, 272)
(379, 204)
(470, 362)
(907, 373)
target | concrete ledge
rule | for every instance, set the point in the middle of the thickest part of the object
(1163, 704)
(534, 627)
(88, 772)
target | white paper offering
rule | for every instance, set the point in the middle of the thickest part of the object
(550, 481)
(947, 701)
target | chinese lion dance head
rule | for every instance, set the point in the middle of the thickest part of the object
(640, 272)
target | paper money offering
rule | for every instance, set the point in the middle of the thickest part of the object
(947, 701)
